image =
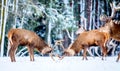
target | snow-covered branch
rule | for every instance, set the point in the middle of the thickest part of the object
(21, 51)
(68, 33)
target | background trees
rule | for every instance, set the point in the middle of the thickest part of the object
(51, 19)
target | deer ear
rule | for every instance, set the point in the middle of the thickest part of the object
(103, 17)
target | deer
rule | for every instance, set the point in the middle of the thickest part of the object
(112, 24)
(85, 40)
(23, 37)
(81, 30)
(118, 58)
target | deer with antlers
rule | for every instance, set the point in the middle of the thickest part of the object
(113, 25)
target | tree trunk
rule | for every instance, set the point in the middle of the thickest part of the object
(49, 33)
(15, 10)
(49, 27)
(4, 18)
(1, 23)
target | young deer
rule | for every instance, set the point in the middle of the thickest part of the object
(96, 48)
(85, 40)
(22, 37)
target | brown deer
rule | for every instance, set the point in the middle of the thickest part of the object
(85, 40)
(118, 57)
(113, 25)
(22, 37)
(81, 30)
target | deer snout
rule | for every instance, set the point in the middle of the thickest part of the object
(69, 52)
(46, 50)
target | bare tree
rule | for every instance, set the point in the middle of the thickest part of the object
(4, 12)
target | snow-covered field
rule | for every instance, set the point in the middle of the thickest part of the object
(67, 64)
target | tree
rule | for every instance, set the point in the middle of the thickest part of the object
(3, 22)
(60, 17)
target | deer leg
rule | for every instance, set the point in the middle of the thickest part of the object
(12, 52)
(84, 53)
(118, 57)
(104, 51)
(31, 53)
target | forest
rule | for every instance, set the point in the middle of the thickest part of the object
(54, 20)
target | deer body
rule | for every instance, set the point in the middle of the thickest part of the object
(114, 29)
(114, 25)
(87, 39)
(22, 37)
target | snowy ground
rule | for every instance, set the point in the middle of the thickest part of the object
(67, 64)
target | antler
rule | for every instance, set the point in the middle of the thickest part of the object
(114, 9)
(59, 42)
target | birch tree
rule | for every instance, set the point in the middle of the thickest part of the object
(4, 12)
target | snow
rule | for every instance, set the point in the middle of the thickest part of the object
(67, 64)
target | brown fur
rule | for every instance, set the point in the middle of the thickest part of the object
(114, 26)
(26, 38)
(87, 39)
(118, 57)
(114, 31)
